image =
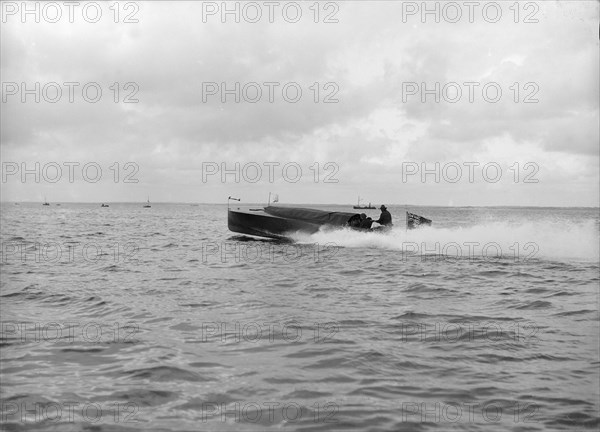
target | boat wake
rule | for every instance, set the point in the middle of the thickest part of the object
(523, 241)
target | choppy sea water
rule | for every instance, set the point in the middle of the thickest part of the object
(125, 318)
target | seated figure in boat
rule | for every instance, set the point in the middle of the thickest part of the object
(385, 218)
(354, 221)
(365, 222)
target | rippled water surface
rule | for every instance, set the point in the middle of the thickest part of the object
(125, 318)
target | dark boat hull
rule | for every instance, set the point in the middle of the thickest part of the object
(282, 222)
(261, 224)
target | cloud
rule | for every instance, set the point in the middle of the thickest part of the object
(363, 63)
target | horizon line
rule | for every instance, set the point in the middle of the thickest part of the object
(320, 204)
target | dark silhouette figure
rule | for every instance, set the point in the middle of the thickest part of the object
(365, 222)
(354, 221)
(385, 218)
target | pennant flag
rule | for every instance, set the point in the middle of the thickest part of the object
(415, 221)
(275, 198)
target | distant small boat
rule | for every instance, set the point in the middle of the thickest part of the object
(104, 205)
(358, 206)
(46, 202)
(147, 205)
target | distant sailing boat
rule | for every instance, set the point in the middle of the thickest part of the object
(358, 206)
(46, 202)
(147, 205)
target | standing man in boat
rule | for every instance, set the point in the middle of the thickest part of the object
(385, 218)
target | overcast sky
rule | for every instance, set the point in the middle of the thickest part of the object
(370, 60)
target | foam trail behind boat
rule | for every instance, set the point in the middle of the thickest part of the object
(527, 240)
